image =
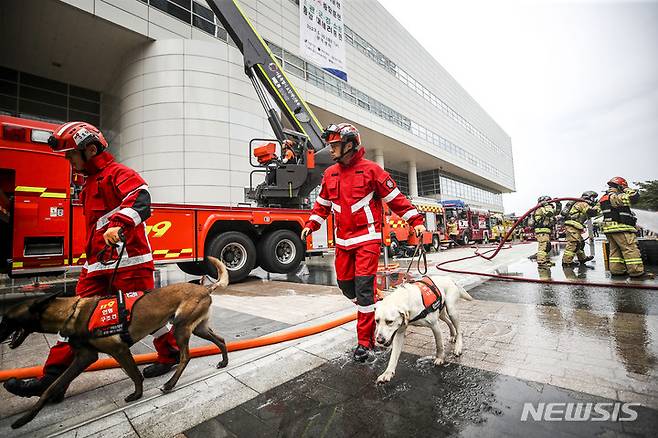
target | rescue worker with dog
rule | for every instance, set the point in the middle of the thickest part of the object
(544, 220)
(354, 189)
(619, 228)
(575, 215)
(115, 199)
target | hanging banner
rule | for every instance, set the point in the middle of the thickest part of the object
(321, 38)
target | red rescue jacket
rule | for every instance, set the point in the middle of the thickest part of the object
(114, 195)
(354, 192)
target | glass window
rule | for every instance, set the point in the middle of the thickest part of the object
(204, 25)
(294, 60)
(203, 11)
(85, 93)
(296, 71)
(8, 88)
(174, 9)
(40, 95)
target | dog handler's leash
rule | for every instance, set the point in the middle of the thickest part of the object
(121, 301)
(420, 252)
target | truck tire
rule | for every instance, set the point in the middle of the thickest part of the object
(193, 268)
(280, 251)
(466, 239)
(436, 243)
(236, 250)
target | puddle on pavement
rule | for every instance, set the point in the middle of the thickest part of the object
(341, 398)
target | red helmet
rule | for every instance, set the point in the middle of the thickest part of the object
(343, 132)
(618, 181)
(76, 135)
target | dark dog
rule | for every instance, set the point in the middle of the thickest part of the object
(186, 305)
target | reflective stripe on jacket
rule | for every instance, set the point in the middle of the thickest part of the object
(354, 193)
(115, 196)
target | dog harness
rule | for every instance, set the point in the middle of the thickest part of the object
(432, 297)
(105, 320)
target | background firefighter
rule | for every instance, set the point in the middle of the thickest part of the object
(453, 231)
(619, 228)
(353, 189)
(544, 220)
(114, 197)
(575, 215)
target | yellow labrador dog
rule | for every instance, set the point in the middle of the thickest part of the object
(406, 305)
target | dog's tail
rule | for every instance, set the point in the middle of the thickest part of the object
(463, 294)
(222, 275)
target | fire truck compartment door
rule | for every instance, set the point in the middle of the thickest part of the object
(320, 237)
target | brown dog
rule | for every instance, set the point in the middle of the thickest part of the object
(186, 305)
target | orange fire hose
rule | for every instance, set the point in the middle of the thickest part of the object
(207, 350)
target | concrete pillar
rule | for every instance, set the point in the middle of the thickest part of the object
(413, 179)
(379, 157)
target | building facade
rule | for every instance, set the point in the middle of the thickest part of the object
(167, 87)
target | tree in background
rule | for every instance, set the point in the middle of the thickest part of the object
(648, 195)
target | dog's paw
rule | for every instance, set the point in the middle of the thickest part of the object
(458, 348)
(439, 361)
(132, 397)
(222, 364)
(386, 376)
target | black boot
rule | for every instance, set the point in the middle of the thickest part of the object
(158, 369)
(33, 387)
(586, 259)
(361, 353)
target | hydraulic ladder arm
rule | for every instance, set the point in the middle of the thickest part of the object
(292, 183)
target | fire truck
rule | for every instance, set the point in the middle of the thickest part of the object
(42, 227)
(473, 224)
(41, 224)
(399, 236)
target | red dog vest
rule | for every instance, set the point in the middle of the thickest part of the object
(104, 321)
(432, 297)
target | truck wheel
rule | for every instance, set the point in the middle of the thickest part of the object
(485, 239)
(465, 239)
(193, 268)
(281, 251)
(236, 250)
(394, 247)
(436, 243)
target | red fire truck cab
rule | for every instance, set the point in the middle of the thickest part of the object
(473, 224)
(42, 227)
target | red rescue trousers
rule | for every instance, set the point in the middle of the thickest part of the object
(61, 354)
(355, 270)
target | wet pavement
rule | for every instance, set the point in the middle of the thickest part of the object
(523, 343)
(340, 399)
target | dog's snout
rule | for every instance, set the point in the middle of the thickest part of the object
(381, 340)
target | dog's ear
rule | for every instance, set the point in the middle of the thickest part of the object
(405, 317)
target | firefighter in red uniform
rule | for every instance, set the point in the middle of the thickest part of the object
(114, 198)
(354, 189)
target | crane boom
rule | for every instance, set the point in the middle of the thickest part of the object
(291, 183)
